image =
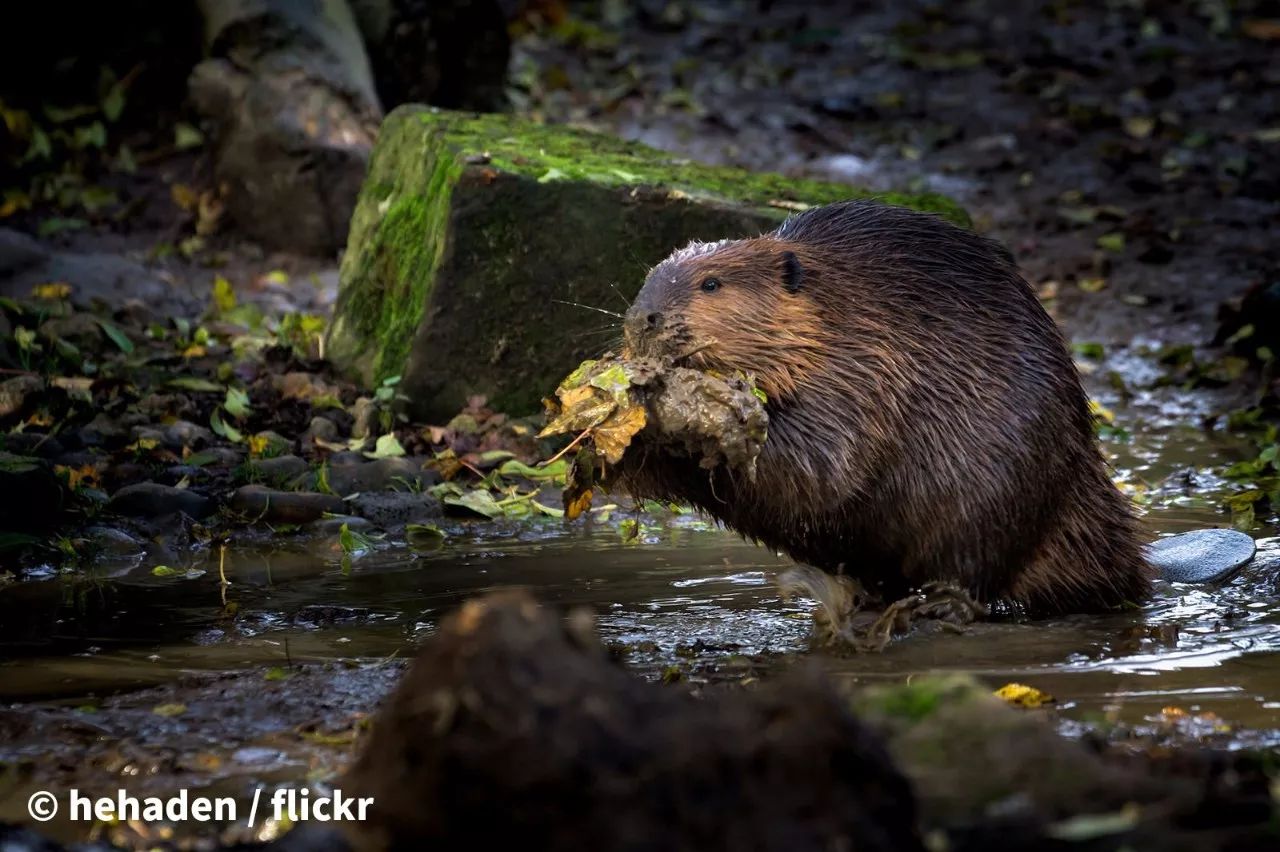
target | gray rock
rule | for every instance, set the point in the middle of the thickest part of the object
(15, 392)
(151, 500)
(321, 428)
(284, 507)
(391, 509)
(184, 433)
(146, 433)
(281, 469)
(393, 474)
(1201, 556)
(105, 277)
(365, 412)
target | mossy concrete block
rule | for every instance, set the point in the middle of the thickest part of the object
(473, 232)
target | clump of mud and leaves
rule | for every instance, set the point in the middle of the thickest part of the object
(608, 402)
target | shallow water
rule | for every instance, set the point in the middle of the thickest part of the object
(687, 594)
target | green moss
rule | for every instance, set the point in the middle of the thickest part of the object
(919, 698)
(550, 153)
(398, 235)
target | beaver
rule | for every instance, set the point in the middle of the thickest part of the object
(926, 420)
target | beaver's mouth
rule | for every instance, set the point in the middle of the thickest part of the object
(674, 346)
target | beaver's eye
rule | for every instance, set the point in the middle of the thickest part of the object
(710, 285)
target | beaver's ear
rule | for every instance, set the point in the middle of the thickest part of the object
(792, 272)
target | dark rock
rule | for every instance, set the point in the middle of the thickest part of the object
(402, 473)
(146, 433)
(183, 433)
(16, 392)
(111, 541)
(281, 469)
(391, 509)
(31, 495)
(151, 500)
(79, 329)
(284, 507)
(102, 431)
(1201, 556)
(333, 524)
(507, 703)
(34, 444)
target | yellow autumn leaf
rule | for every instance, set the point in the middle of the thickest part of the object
(1021, 695)
(52, 291)
(575, 503)
(184, 196)
(258, 444)
(587, 416)
(85, 475)
(224, 296)
(195, 350)
(614, 435)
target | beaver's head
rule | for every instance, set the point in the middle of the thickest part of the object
(729, 306)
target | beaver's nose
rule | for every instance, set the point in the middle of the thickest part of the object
(642, 323)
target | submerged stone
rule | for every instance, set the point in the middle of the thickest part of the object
(472, 232)
(1201, 556)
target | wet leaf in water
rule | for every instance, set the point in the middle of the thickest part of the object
(1087, 827)
(1020, 695)
(424, 536)
(480, 502)
(169, 710)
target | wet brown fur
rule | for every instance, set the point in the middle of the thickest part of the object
(926, 421)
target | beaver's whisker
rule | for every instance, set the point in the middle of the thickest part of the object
(590, 308)
(621, 295)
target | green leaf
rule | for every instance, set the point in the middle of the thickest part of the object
(480, 502)
(424, 536)
(224, 295)
(277, 673)
(185, 136)
(387, 446)
(556, 470)
(163, 571)
(169, 710)
(118, 337)
(58, 224)
(224, 429)
(113, 103)
(194, 383)
(237, 403)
